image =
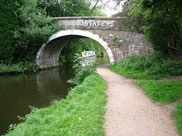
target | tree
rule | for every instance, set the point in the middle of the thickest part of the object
(9, 23)
(55, 8)
(37, 28)
(164, 28)
(131, 22)
(24, 28)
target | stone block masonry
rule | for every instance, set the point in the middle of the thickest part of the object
(118, 44)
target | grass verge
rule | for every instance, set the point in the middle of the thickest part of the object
(165, 92)
(129, 72)
(155, 66)
(178, 116)
(152, 66)
(81, 113)
(162, 91)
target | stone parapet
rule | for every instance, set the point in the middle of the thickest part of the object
(88, 23)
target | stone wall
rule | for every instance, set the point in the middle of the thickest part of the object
(125, 44)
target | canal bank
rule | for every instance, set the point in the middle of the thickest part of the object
(37, 89)
(81, 113)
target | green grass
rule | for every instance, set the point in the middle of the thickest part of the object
(152, 66)
(129, 72)
(80, 114)
(162, 91)
(178, 116)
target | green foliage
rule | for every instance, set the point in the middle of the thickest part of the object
(164, 28)
(114, 38)
(8, 23)
(78, 46)
(98, 12)
(55, 8)
(38, 27)
(178, 116)
(153, 66)
(25, 27)
(81, 113)
(81, 73)
(131, 22)
(162, 91)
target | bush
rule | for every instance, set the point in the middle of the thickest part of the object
(81, 73)
(163, 24)
(153, 66)
(9, 23)
(38, 27)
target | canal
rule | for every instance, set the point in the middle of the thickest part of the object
(19, 92)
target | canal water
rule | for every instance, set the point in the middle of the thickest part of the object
(18, 92)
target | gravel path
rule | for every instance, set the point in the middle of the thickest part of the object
(129, 112)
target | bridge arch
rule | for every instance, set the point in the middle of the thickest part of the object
(48, 55)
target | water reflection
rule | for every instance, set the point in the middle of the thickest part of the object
(39, 89)
(17, 92)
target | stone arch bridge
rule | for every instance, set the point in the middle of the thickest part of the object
(118, 44)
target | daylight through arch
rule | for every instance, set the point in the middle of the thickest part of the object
(48, 55)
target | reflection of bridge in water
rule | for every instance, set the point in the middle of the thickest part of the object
(54, 80)
(118, 44)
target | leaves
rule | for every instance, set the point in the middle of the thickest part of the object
(38, 27)
(163, 28)
(66, 7)
(153, 66)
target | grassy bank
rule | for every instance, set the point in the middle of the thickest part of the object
(162, 91)
(153, 66)
(17, 68)
(178, 116)
(81, 113)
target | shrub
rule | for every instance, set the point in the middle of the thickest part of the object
(153, 66)
(9, 23)
(81, 73)
(38, 27)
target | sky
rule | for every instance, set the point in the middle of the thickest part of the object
(111, 8)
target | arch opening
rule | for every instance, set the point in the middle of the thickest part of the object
(48, 55)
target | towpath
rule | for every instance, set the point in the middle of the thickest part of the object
(129, 112)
